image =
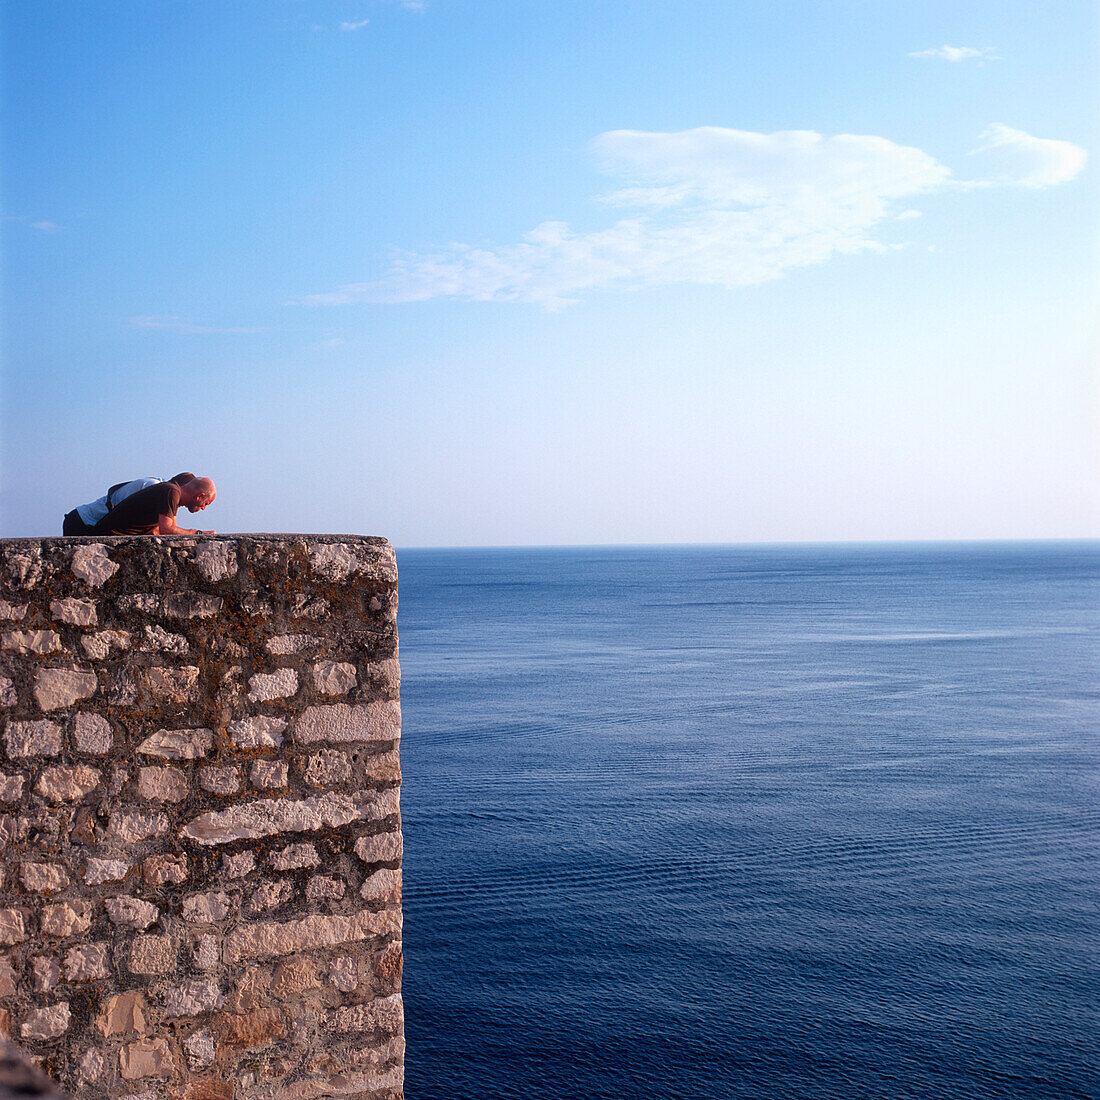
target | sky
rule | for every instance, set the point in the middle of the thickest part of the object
(515, 272)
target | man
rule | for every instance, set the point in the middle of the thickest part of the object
(152, 510)
(83, 518)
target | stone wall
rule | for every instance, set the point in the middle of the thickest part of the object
(200, 839)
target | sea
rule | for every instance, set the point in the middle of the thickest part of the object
(813, 821)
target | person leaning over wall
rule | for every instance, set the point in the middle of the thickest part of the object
(152, 510)
(83, 518)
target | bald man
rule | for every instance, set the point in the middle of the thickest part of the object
(152, 511)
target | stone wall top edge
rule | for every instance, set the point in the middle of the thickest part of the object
(171, 540)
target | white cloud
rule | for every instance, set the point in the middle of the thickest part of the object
(710, 206)
(177, 324)
(46, 227)
(358, 25)
(959, 53)
(1014, 157)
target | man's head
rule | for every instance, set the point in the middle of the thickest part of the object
(197, 494)
(182, 479)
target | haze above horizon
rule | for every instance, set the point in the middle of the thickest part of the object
(556, 273)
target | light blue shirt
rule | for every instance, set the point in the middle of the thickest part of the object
(92, 513)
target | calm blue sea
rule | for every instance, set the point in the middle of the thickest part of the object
(767, 822)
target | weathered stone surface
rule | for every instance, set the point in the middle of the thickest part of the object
(282, 645)
(164, 870)
(295, 856)
(377, 721)
(57, 688)
(46, 971)
(158, 640)
(97, 871)
(163, 784)
(385, 848)
(47, 1023)
(223, 780)
(9, 979)
(178, 744)
(383, 886)
(200, 1049)
(10, 612)
(92, 734)
(68, 784)
(147, 1058)
(93, 565)
(325, 888)
(216, 560)
(334, 677)
(44, 878)
(258, 732)
(98, 646)
(385, 1014)
(239, 865)
(74, 612)
(32, 641)
(66, 919)
(8, 695)
(271, 816)
(134, 826)
(193, 997)
(343, 974)
(192, 605)
(152, 955)
(264, 686)
(11, 788)
(41, 738)
(205, 951)
(124, 1014)
(293, 977)
(86, 962)
(357, 1085)
(173, 685)
(249, 1030)
(270, 895)
(207, 908)
(269, 774)
(131, 912)
(260, 940)
(92, 1065)
(12, 928)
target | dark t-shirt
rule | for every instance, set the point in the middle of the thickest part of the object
(138, 514)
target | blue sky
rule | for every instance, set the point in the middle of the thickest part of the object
(556, 272)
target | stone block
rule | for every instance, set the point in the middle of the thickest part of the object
(10, 612)
(265, 686)
(266, 940)
(86, 962)
(93, 565)
(295, 856)
(192, 605)
(46, 972)
(384, 848)
(384, 1014)
(293, 977)
(40, 642)
(334, 677)
(193, 997)
(152, 955)
(269, 774)
(220, 779)
(172, 685)
(164, 870)
(98, 871)
(178, 744)
(43, 878)
(270, 895)
(239, 865)
(147, 1058)
(207, 908)
(377, 721)
(92, 734)
(216, 561)
(11, 787)
(249, 1030)
(131, 912)
(384, 886)
(58, 688)
(158, 640)
(257, 732)
(12, 928)
(47, 1023)
(325, 888)
(41, 738)
(271, 816)
(98, 646)
(134, 826)
(283, 645)
(8, 695)
(200, 1050)
(66, 919)
(74, 612)
(163, 784)
(68, 784)
(124, 1014)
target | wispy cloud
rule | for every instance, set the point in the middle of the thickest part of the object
(713, 206)
(178, 324)
(959, 53)
(41, 225)
(46, 227)
(356, 26)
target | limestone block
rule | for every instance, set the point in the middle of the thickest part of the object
(216, 560)
(46, 972)
(12, 929)
(68, 784)
(265, 686)
(163, 784)
(9, 978)
(74, 612)
(205, 951)
(8, 697)
(265, 940)
(258, 732)
(383, 886)
(239, 865)
(86, 962)
(10, 612)
(200, 1049)
(92, 1065)
(141, 603)
(343, 974)
(131, 912)
(207, 908)
(152, 955)
(377, 721)
(160, 641)
(269, 774)
(98, 871)
(270, 895)
(124, 1014)
(92, 565)
(193, 997)
(249, 1029)
(173, 685)
(164, 870)
(354, 1085)
(333, 677)
(283, 645)
(47, 1023)
(98, 646)
(192, 605)
(66, 919)
(41, 738)
(221, 780)
(147, 1058)
(324, 888)
(293, 977)
(56, 688)
(270, 816)
(43, 878)
(295, 856)
(11, 787)
(134, 826)
(178, 744)
(384, 848)
(40, 642)
(384, 1014)
(92, 734)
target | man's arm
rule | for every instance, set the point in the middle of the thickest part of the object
(166, 525)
